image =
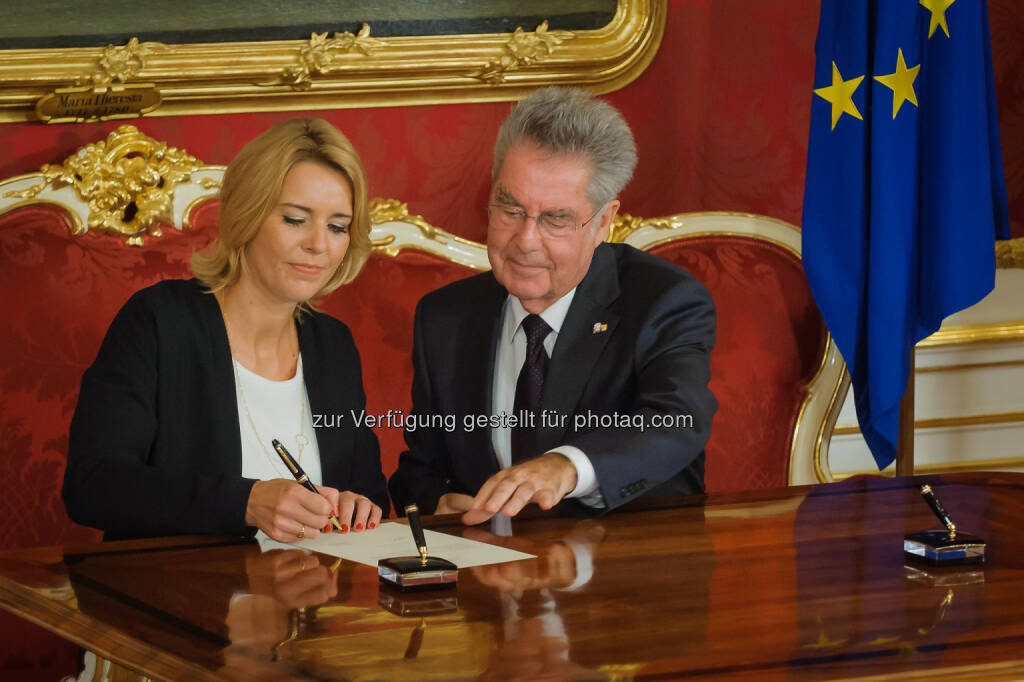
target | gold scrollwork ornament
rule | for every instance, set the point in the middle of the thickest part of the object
(393, 210)
(104, 93)
(127, 180)
(523, 49)
(317, 56)
(625, 224)
(121, 63)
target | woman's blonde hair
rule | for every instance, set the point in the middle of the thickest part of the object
(252, 188)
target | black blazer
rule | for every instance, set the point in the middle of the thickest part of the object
(155, 447)
(652, 360)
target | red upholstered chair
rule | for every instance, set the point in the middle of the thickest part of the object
(778, 377)
(60, 292)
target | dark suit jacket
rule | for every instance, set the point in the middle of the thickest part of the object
(653, 360)
(155, 447)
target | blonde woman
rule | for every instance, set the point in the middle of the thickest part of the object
(173, 428)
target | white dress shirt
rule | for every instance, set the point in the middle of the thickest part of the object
(507, 365)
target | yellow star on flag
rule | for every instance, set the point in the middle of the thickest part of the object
(901, 83)
(938, 9)
(840, 95)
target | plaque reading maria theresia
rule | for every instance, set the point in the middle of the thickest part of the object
(88, 103)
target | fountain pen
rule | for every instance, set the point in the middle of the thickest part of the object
(300, 475)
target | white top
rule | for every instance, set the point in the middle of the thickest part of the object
(507, 365)
(279, 409)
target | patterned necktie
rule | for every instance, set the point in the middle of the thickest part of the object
(530, 388)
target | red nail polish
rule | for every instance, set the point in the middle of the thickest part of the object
(371, 525)
(327, 529)
(344, 528)
(359, 526)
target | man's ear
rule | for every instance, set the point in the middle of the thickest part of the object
(610, 211)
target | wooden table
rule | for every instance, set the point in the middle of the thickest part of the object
(801, 583)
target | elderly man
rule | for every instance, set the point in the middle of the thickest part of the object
(574, 368)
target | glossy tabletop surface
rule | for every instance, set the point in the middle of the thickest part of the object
(799, 583)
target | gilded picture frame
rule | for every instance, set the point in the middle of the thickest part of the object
(329, 70)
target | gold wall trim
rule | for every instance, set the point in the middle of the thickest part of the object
(994, 332)
(347, 70)
(940, 422)
(942, 467)
(981, 465)
(1010, 253)
(969, 365)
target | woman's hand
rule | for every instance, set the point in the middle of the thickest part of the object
(287, 512)
(356, 512)
(292, 577)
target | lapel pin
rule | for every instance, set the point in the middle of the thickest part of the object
(599, 327)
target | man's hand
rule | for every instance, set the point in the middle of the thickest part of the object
(453, 503)
(544, 480)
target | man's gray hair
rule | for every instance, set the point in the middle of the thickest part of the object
(572, 122)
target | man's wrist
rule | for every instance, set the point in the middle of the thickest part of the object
(569, 474)
(586, 479)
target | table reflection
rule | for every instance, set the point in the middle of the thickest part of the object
(860, 599)
(282, 584)
(571, 611)
(805, 584)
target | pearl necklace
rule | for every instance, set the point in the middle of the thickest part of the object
(301, 441)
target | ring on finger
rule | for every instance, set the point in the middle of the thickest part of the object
(302, 532)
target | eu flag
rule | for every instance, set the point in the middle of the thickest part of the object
(905, 194)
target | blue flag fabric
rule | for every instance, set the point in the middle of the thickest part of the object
(905, 194)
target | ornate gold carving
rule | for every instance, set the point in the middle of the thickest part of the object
(393, 210)
(423, 236)
(523, 49)
(1010, 253)
(121, 63)
(625, 224)
(102, 94)
(211, 78)
(316, 56)
(127, 180)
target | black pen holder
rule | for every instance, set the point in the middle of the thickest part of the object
(943, 548)
(413, 573)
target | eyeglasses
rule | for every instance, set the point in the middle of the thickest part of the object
(549, 224)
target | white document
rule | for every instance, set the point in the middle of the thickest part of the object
(393, 539)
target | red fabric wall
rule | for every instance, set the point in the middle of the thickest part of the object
(721, 119)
